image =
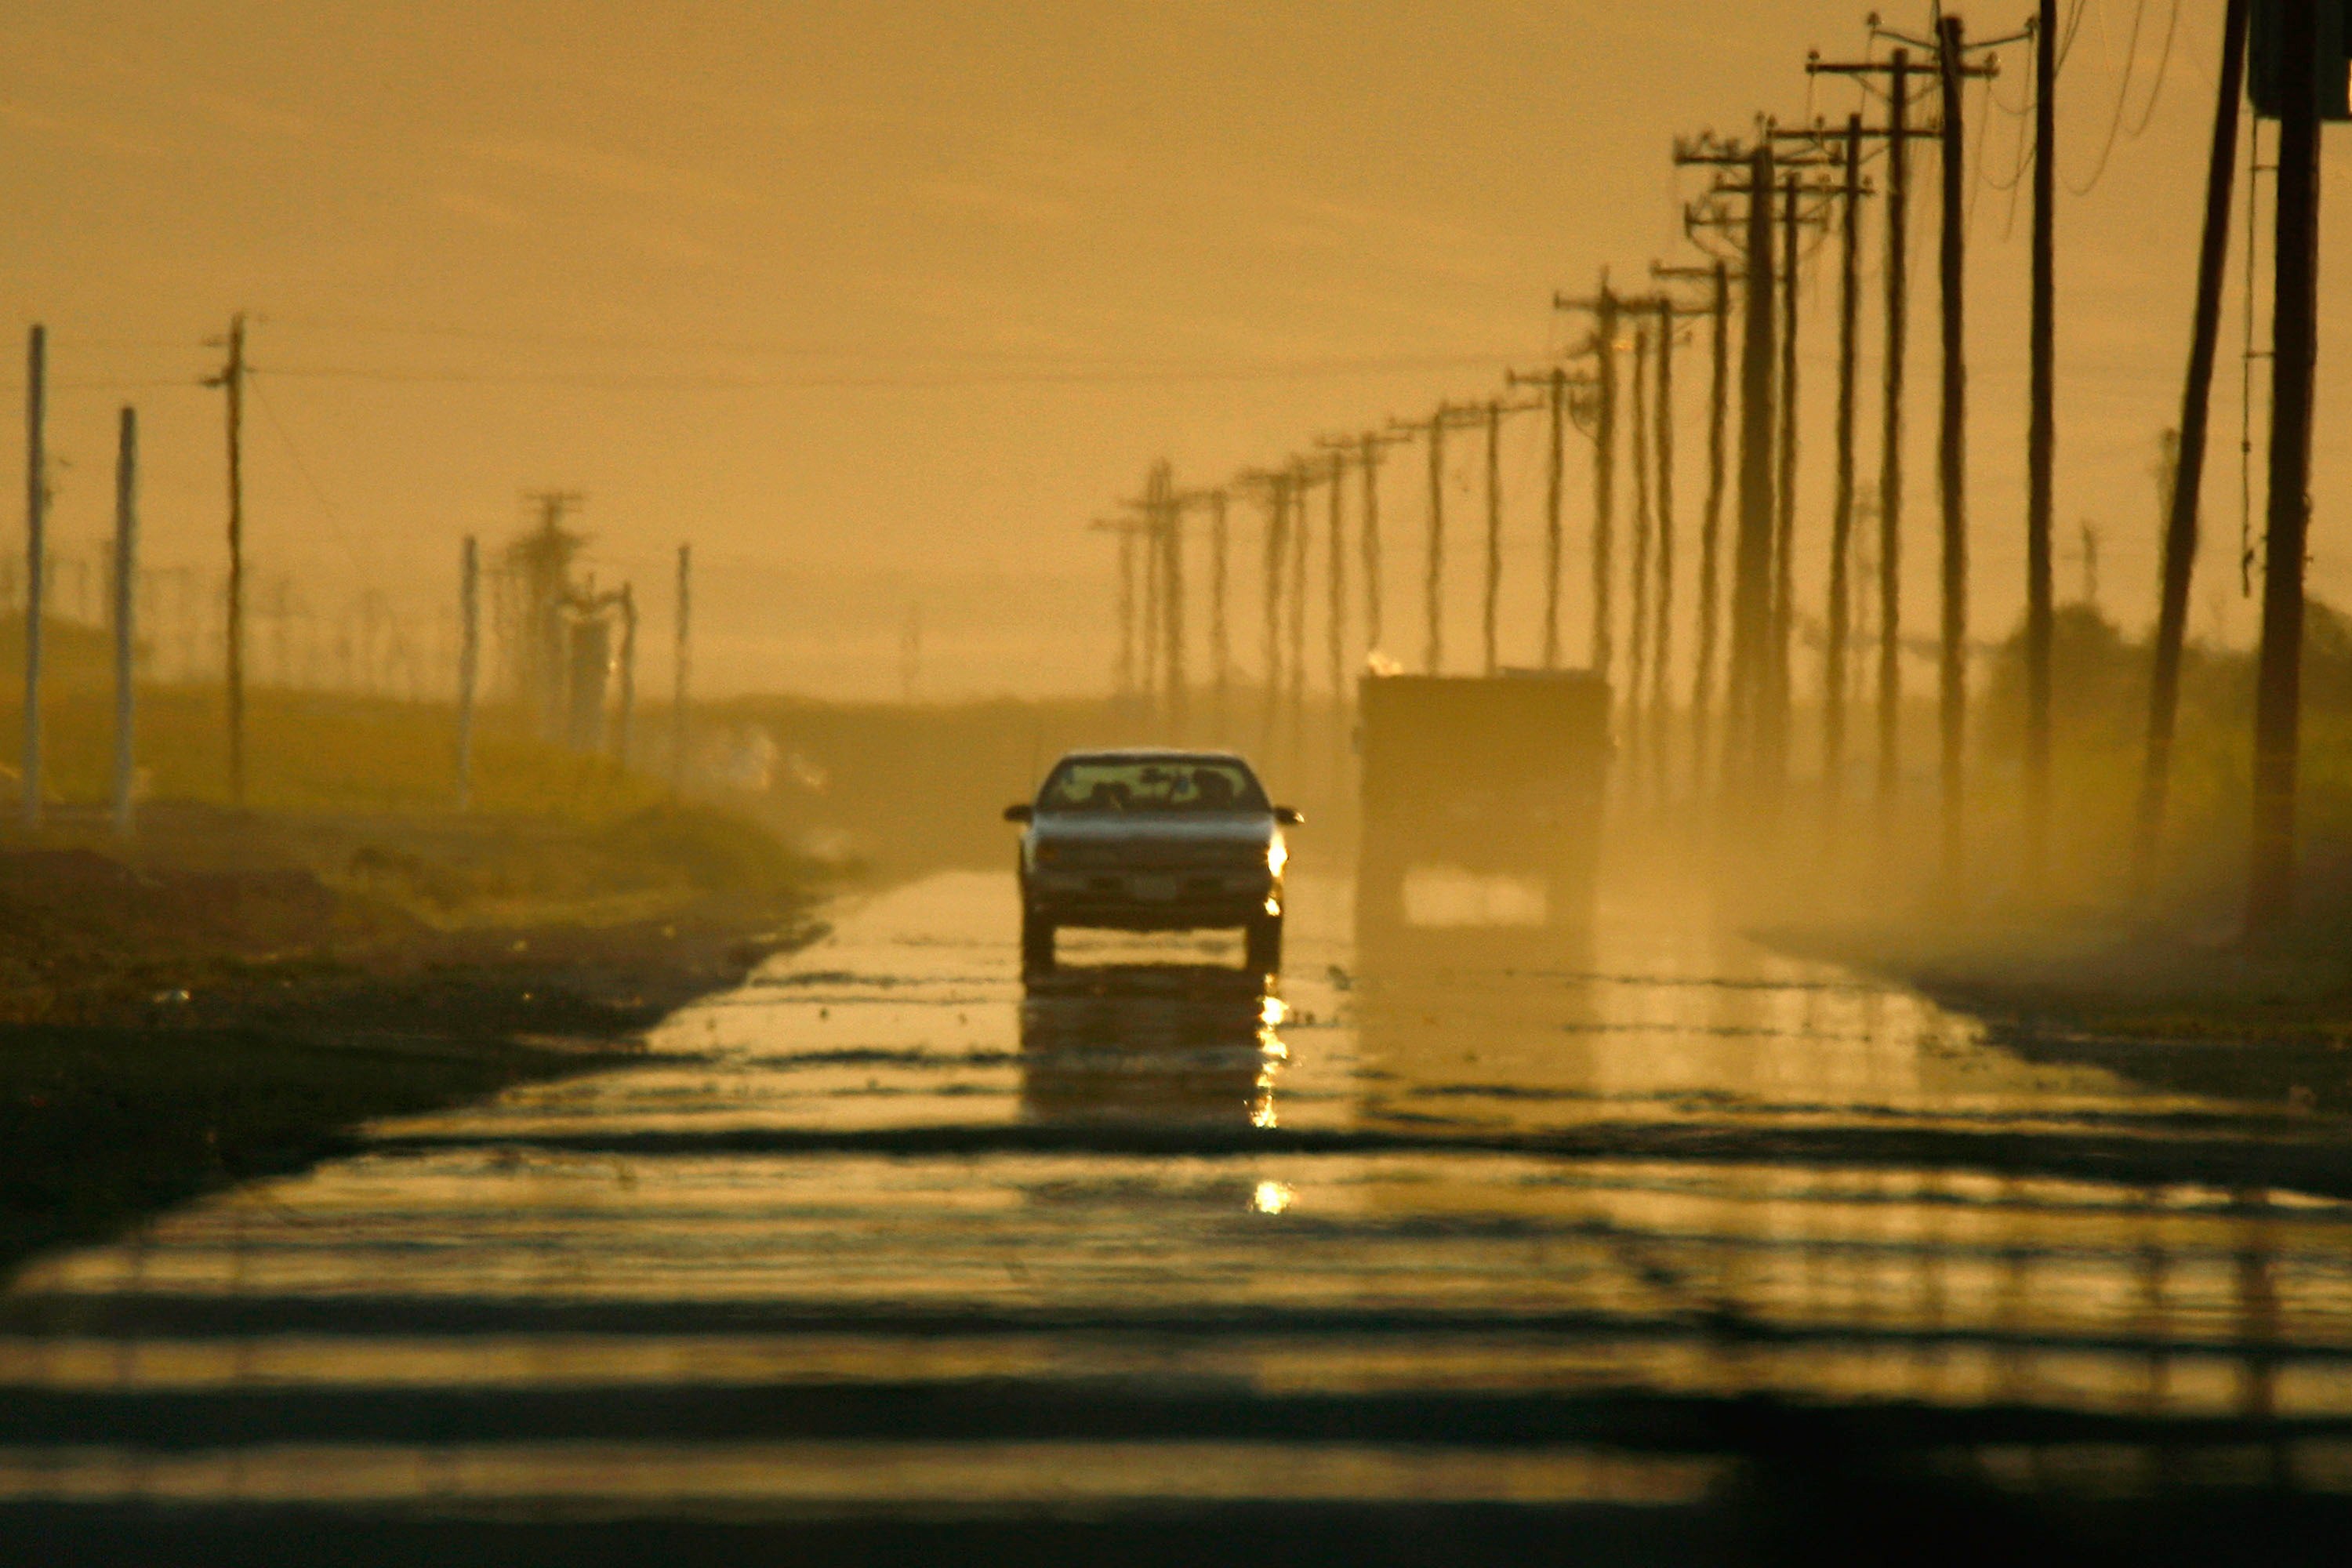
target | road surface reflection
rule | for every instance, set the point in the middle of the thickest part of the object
(1616, 1223)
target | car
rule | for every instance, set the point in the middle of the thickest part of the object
(1155, 840)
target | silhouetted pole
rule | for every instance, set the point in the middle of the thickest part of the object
(469, 663)
(1896, 69)
(1433, 578)
(1221, 647)
(126, 580)
(2041, 439)
(1146, 521)
(231, 380)
(624, 732)
(1752, 568)
(681, 669)
(1639, 457)
(1370, 528)
(2294, 321)
(1774, 747)
(1169, 520)
(1123, 670)
(1661, 440)
(37, 557)
(1604, 477)
(1711, 521)
(1489, 625)
(1555, 481)
(2189, 474)
(1841, 515)
(1335, 569)
(1301, 484)
(1951, 454)
(1277, 542)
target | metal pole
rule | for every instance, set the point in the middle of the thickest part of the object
(36, 511)
(126, 579)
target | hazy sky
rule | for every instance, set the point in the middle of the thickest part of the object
(879, 303)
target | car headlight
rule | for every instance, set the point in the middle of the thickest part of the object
(1278, 855)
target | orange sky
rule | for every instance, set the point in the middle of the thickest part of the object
(879, 303)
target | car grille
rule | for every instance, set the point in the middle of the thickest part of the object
(1146, 856)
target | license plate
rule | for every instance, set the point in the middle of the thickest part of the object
(1157, 888)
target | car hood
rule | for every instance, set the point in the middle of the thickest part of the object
(1252, 829)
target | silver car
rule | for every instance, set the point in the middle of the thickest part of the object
(1153, 840)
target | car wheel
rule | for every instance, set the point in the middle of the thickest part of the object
(1036, 944)
(1262, 945)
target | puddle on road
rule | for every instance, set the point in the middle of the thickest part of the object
(1752, 1223)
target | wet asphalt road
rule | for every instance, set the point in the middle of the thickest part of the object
(1630, 1255)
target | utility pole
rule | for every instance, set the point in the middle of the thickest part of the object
(469, 663)
(624, 731)
(1221, 647)
(126, 580)
(1334, 572)
(1952, 70)
(36, 556)
(1275, 485)
(681, 667)
(1302, 481)
(2294, 323)
(231, 380)
(1433, 590)
(2189, 474)
(1494, 411)
(1662, 439)
(2041, 439)
(1846, 149)
(1123, 667)
(1718, 311)
(1784, 527)
(1371, 529)
(1897, 132)
(1638, 455)
(1555, 481)
(1603, 306)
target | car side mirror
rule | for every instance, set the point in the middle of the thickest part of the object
(1289, 816)
(1023, 812)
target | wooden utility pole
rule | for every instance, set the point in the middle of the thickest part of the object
(1638, 453)
(37, 557)
(681, 667)
(1719, 313)
(1123, 668)
(1302, 483)
(2294, 323)
(1603, 306)
(2189, 474)
(1491, 604)
(1844, 150)
(2041, 439)
(126, 580)
(1897, 133)
(1334, 572)
(1370, 530)
(1775, 746)
(623, 731)
(1433, 578)
(1221, 647)
(1752, 568)
(231, 380)
(1662, 443)
(469, 663)
(1555, 485)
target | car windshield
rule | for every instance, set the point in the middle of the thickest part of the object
(1181, 783)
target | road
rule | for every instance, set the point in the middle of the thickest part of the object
(1668, 1243)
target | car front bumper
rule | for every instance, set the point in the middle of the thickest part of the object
(1143, 900)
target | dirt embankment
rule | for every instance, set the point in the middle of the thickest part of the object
(233, 995)
(2201, 1017)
